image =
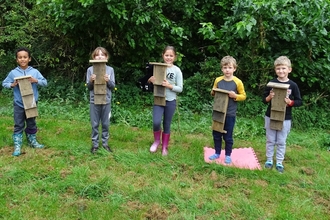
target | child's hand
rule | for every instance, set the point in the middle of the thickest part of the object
(166, 84)
(232, 95)
(106, 77)
(15, 83)
(33, 80)
(151, 79)
(288, 101)
(271, 95)
(93, 77)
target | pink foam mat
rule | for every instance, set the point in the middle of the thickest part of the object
(244, 158)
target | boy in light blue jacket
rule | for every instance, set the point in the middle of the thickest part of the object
(23, 57)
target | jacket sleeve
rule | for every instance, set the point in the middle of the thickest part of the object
(6, 83)
(42, 81)
(241, 95)
(112, 82)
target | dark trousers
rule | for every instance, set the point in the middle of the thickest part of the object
(167, 111)
(20, 120)
(227, 137)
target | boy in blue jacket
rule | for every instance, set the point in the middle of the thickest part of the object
(23, 57)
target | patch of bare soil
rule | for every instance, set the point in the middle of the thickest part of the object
(307, 171)
(156, 212)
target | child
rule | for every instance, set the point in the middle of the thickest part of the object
(174, 85)
(237, 93)
(23, 57)
(282, 69)
(100, 112)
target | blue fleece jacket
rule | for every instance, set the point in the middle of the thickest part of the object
(18, 72)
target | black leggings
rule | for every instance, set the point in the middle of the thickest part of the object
(168, 112)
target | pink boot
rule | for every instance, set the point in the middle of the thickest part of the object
(154, 146)
(165, 140)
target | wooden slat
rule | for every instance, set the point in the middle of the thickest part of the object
(159, 101)
(220, 102)
(100, 89)
(99, 99)
(31, 113)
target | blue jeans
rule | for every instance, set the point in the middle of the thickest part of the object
(227, 137)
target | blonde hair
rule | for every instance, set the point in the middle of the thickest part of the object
(282, 60)
(102, 49)
(227, 60)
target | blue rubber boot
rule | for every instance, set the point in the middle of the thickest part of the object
(32, 140)
(17, 138)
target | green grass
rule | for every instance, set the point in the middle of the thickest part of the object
(64, 181)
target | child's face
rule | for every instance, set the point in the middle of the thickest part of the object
(169, 57)
(23, 59)
(282, 71)
(100, 56)
(228, 70)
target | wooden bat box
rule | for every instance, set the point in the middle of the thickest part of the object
(159, 72)
(29, 102)
(100, 86)
(278, 105)
(220, 109)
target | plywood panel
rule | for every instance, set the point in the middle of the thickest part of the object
(219, 116)
(159, 101)
(25, 87)
(159, 91)
(218, 126)
(100, 89)
(277, 115)
(276, 125)
(29, 101)
(220, 102)
(31, 113)
(100, 99)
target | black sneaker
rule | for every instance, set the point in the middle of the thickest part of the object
(94, 149)
(107, 148)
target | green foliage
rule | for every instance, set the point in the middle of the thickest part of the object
(257, 32)
(134, 32)
(325, 142)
